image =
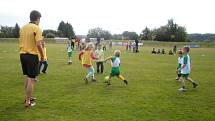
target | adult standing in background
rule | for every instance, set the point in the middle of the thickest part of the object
(136, 45)
(110, 44)
(174, 49)
(30, 44)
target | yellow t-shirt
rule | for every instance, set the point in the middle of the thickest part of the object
(29, 35)
(86, 58)
(45, 55)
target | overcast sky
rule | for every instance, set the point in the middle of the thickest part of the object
(114, 15)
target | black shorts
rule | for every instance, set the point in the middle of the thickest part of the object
(30, 65)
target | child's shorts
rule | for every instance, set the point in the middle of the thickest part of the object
(185, 75)
(70, 54)
(115, 72)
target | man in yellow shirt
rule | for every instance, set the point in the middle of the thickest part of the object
(30, 46)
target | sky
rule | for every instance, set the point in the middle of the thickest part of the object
(115, 16)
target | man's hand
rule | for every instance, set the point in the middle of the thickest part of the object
(42, 59)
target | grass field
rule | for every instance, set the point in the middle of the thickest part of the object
(151, 95)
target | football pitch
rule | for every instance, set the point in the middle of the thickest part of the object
(151, 95)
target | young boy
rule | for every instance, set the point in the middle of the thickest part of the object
(69, 50)
(100, 55)
(180, 62)
(185, 69)
(86, 56)
(115, 71)
(45, 62)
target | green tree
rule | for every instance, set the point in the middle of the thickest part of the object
(170, 32)
(16, 31)
(66, 30)
(50, 35)
(6, 32)
(99, 32)
(146, 34)
(130, 35)
(117, 36)
(49, 31)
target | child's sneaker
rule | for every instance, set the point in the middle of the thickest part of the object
(94, 80)
(126, 82)
(108, 83)
(182, 89)
(195, 85)
(31, 104)
(32, 99)
(44, 72)
(177, 78)
(86, 80)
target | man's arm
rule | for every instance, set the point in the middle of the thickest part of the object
(40, 49)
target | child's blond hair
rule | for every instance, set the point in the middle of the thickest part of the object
(117, 53)
(89, 45)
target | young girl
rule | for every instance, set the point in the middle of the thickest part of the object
(86, 56)
(115, 71)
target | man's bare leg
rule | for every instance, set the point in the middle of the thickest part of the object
(29, 90)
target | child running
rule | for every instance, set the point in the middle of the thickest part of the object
(180, 62)
(115, 71)
(45, 62)
(186, 69)
(69, 50)
(86, 56)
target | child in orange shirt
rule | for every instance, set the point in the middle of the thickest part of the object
(86, 56)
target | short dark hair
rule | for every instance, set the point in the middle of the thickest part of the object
(187, 49)
(180, 52)
(34, 15)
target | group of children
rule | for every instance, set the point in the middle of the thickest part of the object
(161, 51)
(87, 55)
(184, 68)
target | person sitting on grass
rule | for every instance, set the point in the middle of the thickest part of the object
(86, 56)
(163, 51)
(153, 51)
(186, 69)
(180, 62)
(115, 71)
(159, 51)
(170, 52)
(45, 61)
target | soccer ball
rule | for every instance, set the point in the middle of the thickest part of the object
(106, 78)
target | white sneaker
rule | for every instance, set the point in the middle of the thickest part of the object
(182, 89)
(33, 104)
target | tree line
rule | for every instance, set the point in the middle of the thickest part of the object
(64, 30)
(170, 32)
(9, 32)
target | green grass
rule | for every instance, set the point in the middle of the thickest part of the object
(151, 95)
